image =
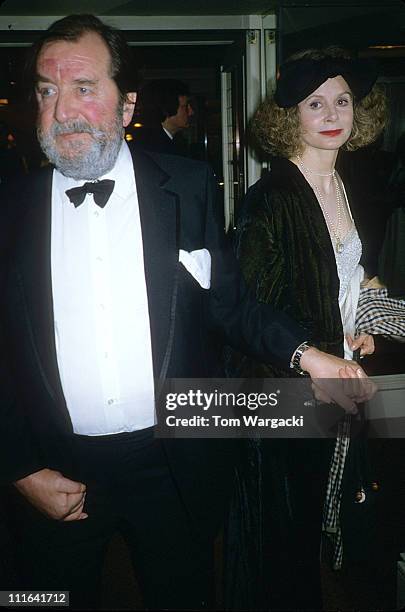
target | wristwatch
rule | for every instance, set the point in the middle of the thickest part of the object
(295, 363)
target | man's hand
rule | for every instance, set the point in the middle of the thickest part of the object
(325, 370)
(54, 495)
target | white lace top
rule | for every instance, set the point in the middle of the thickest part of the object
(348, 260)
(350, 274)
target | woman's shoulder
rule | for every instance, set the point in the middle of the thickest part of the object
(279, 188)
(271, 204)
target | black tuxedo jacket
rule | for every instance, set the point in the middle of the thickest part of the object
(178, 210)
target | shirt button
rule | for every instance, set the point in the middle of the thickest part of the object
(96, 213)
(99, 258)
(110, 402)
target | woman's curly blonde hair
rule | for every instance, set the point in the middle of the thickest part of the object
(278, 129)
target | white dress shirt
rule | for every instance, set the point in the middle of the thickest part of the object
(102, 327)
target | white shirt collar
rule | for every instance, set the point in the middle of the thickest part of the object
(168, 133)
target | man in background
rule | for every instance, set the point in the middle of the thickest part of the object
(165, 112)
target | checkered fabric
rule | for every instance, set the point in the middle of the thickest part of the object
(379, 314)
(331, 510)
(376, 314)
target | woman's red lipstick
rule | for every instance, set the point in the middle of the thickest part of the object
(331, 132)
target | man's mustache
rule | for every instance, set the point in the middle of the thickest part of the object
(75, 127)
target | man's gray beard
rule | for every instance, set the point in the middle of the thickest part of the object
(97, 159)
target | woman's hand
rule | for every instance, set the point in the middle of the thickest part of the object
(337, 380)
(364, 342)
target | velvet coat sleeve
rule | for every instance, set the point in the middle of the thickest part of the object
(257, 327)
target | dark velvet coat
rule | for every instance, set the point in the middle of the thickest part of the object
(274, 527)
(287, 257)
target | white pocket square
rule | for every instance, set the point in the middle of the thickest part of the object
(198, 263)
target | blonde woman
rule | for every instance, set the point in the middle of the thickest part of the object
(300, 250)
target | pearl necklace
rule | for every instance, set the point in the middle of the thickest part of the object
(339, 245)
(309, 171)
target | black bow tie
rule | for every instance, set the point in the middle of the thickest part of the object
(101, 191)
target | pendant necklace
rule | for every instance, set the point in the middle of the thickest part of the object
(335, 231)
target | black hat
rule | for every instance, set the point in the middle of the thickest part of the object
(299, 78)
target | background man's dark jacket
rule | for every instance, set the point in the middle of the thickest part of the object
(153, 138)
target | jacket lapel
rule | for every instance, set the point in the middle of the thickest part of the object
(159, 213)
(314, 219)
(35, 265)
